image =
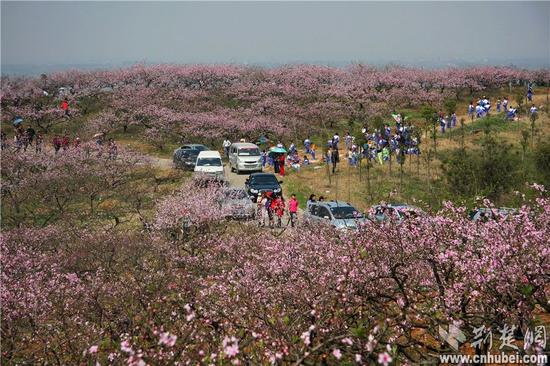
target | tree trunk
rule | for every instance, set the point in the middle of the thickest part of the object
(368, 179)
(401, 176)
(435, 138)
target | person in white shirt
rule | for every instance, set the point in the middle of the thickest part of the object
(226, 145)
(335, 140)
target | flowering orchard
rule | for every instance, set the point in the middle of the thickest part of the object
(210, 292)
(106, 260)
(168, 101)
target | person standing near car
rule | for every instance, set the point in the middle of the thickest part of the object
(312, 199)
(270, 207)
(279, 208)
(262, 209)
(226, 146)
(293, 209)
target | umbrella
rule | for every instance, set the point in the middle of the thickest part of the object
(17, 121)
(278, 150)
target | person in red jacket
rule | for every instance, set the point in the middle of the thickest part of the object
(279, 208)
(293, 209)
(282, 165)
(65, 142)
(65, 106)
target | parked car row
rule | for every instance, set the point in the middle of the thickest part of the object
(240, 202)
(486, 213)
(243, 157)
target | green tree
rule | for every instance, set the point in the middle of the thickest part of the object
(450, 106)
(542, 163)
(489, 171)
(430, 116)
(460, 170)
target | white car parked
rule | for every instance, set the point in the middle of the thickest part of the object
(244, 156)
(209, 162)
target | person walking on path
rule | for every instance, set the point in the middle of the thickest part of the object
(270, 206)
(279, 208)
(334, 159)
(65, 142)
(293, 209)
(65, 107)
(38, 143)
(262, 209)
(264, 158)
(31, 133)
(226, 145)
(57, 142)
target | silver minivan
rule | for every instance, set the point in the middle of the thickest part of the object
(244, 156)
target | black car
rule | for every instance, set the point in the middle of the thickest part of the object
(257, 183)
(185, 157)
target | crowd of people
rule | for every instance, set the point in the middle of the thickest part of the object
(482, 107)
(271, 209)
(25, 138)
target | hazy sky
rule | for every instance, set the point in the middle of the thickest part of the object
(272, 32)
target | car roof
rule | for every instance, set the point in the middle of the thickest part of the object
(332, 204)
(209, 154)
(189, 151)
(397, 206)
(244, 144)
(192, 145)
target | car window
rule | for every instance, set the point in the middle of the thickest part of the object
(209, 162)
(264, 179)
(323, 211)
(345, 212)
(313, 209)
(189, 153)
(249, 151)
(200, 148)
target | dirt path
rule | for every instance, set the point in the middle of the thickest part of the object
(161, 162)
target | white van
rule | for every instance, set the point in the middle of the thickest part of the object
(209, 162)
(244, 156)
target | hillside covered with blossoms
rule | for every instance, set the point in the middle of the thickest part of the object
(109, 257)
